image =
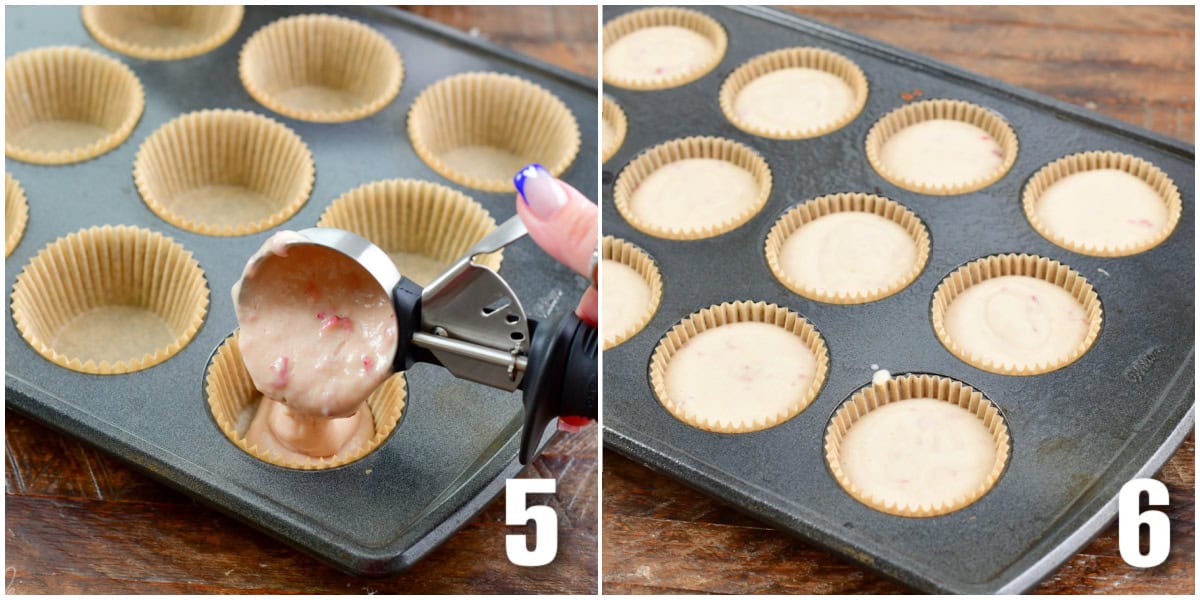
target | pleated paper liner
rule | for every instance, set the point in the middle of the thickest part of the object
(727, 313)
(424, 226)
(65, 104)
(622, 251)
(110, 300)
(16, 213)
(224, 172)
(805, 213)
(646, 163)
(903, 388)
(954, 110)
(321, 68)
(233, 401)
(479, 129)
(1027, 265)
(1089, 161)
(665, 17)
(162, 32)
(615, 126)
(794, 58)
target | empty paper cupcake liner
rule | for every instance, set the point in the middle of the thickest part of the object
(1090, 161)
(807, 212)
(162, 32)
(904, 388)
(794, 58)
(1027, 265)
(665, 17)
(321, 68)
(233, 400)
(619, 250)
(954, 110)
(110, 290)
(224, 172)
(414, 217)
(614, 120)
(16, 213)
(665, 153)
(479, 129)
(724, 314)
(65, 104)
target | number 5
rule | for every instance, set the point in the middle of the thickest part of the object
(1130, 520)
(545, 546)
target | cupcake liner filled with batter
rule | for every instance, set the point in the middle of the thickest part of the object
(162, 32)
(917, 445)
(65, 104)
(109, 300)
(224, 172)
(321, 68)
(661, 48)
(233, 401)
(794, 93)
(16, 213)
(1103, 204)
(1016, 314)
(847, 248)
(739, 367)
(613, 128)
(942, 147)
(422, 225)
(631, 288)
(478, 129)
(693, 188)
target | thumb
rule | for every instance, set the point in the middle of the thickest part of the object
(559, 218)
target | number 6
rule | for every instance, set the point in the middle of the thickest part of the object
(1130, 519)
(545, 546)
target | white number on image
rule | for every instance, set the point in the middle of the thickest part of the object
(1131, 518)
(545, 545)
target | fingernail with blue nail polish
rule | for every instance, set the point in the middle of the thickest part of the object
(540, 190)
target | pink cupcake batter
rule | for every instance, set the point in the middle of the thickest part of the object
(318, 335)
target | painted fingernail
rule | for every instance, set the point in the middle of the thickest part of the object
(540, 191)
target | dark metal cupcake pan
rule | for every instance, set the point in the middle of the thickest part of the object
(1078, 433)
(457, 442)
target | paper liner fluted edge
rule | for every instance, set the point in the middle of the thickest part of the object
(1090, 161)
(787, 58)
(802, 214)
(899, 389)
(612, 113)
(626, 253)
(233, 19)
(280, 138)
(736, 312)
(434, 220)
(16, 213)
(663, 17)
(956, 110)
(1029, 265)
(284, 28)
(136, 100)
(651, 159)
(228, 390)
(552, 109)
(62, 268)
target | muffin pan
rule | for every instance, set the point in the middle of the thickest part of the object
(1077, 433)
(456, 442)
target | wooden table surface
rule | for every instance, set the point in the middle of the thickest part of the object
(1134, 64)
(79, 521)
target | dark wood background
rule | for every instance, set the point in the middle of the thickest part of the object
(79, 521)
(1134, 64)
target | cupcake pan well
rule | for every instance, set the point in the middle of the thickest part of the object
(457, 442)
(1073, 444)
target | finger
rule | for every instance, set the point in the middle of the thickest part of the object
(559, 218)
(589, 307)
